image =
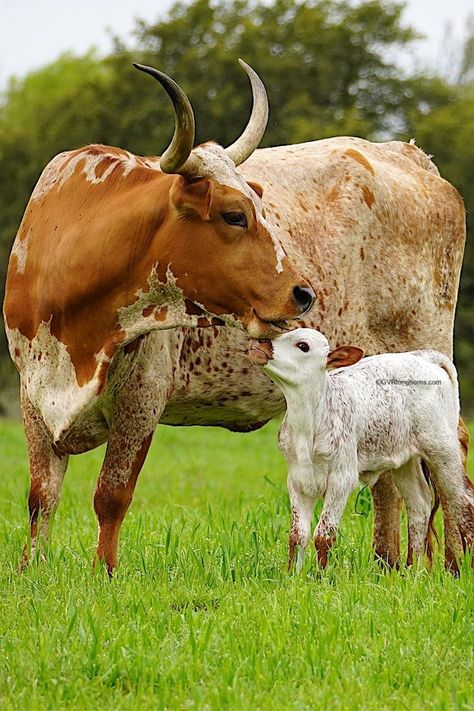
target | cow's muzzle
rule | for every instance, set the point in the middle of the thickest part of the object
(304, 298)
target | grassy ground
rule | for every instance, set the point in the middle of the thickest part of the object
(201, 614)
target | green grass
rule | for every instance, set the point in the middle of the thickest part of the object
(201, 613)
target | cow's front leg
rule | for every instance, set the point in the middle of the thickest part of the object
(114, 492)
(387, 504)
(47, 469)
(136, 410)
(340, 484)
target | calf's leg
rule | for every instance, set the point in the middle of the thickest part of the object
(450, 527)
(416, 492)
(337, 492)
(302, 508)
(456, 493)
(47, 469)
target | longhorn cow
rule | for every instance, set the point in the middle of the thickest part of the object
(113, 246)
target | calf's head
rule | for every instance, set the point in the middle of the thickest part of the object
(214, 238)
(298, 357)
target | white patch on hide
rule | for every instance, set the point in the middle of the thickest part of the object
(20, 250)
(57, 173)
(49, 378)
(162, 296)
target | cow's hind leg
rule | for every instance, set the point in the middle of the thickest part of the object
(47, 469)
(387, 504)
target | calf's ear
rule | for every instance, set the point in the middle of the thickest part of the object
(344, 355)
(193, 195)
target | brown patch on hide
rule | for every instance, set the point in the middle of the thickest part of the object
(368, 196)
(362, 160)
(431, 535)
(161, 313)
(463, 438)
(333, 194)
(323, 545)
(102, 376)
(148, 310)
(104, 164)
(133, 345)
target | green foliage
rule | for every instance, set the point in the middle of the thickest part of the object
(446, 132)
(323, 64)
(202, 613)
(330, 69)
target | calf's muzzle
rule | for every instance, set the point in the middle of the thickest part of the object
(261, 352)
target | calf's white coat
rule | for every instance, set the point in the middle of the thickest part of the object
(387, 411)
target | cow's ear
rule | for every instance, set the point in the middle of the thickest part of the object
(344, 355)
(257, 188)
(193, 195)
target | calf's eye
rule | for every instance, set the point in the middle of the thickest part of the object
(303, 346)
(235, 218)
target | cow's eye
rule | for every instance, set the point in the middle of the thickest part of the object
(236, 219)
(303, 346)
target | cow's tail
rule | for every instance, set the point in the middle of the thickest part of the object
(431, 535)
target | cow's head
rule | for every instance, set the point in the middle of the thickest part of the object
(215, 239)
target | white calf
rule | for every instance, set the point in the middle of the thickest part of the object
(390, 411)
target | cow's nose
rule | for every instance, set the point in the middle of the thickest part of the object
(304, 297)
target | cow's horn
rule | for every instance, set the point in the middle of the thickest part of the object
(176, 158)
(253, 134)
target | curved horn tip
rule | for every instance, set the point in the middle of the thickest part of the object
(155, 73)
(242, 63)
(249, 70)
(244, 146)
(141, 67)
(176, 158)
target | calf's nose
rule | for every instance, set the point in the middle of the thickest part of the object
(304, 298)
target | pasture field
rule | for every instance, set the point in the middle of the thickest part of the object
(201, 613)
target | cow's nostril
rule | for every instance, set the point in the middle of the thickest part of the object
(304, 298)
